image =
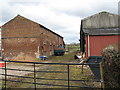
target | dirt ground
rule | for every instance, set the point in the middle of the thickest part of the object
(21, 67)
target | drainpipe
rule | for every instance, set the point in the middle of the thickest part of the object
(88, 45)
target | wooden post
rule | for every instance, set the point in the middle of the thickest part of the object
(82, 69)
(102, 77)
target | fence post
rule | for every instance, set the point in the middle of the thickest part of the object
(5, 75)
(68, 77)
(102, 78)
(34, 77)
(82, 69)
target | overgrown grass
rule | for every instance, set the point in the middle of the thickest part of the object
(69, 57)
(72, 47)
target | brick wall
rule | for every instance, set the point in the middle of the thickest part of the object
(21, 36)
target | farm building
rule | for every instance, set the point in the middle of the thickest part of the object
(24, 37)
(97, 32)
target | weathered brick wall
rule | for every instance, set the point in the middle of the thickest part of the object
(20, 27)
(23, 36)
(16, 46)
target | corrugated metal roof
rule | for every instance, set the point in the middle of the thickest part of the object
(101, 20)
(102, 31)
(103, 23)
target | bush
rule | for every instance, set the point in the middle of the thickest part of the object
(111, 67)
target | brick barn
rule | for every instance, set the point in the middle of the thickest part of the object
(24, 37)
(97, 32)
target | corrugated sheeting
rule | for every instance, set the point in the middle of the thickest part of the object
(101, 20)
(102, 31)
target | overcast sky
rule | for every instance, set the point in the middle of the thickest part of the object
(61, 16)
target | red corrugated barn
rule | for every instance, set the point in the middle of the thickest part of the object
(98, 32)
(24, 38)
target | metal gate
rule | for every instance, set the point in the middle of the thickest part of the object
(5, 76)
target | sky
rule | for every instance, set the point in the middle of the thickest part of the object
(61, 16)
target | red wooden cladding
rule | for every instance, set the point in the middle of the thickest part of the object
(98, 43)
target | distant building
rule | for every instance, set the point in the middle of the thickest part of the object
(97, 32)
(21, 36)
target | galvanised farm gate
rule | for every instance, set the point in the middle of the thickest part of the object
(6, 80)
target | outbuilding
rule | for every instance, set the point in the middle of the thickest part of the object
(22, 37)
(97, 32)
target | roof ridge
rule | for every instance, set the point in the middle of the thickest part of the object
(42, 26)
(98, 14)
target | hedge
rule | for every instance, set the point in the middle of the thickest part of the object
(111, 68)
